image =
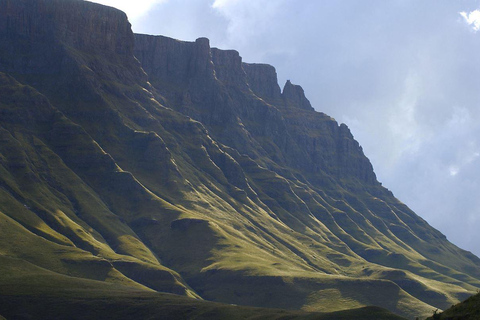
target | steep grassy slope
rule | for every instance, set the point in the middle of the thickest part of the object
(465, 310)
(207, 181)
(49, 215)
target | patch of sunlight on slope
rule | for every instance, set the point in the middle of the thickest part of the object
(336, 293)
(18, 242)
(21, 277)
(27, 218)
(82, 235)
(328, 300)
(253, 239)
(437, 293)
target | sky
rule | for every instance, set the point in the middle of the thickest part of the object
(404, 75)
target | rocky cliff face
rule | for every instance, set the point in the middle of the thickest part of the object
(74, 23)
(192, 173)
(262, 79)
(247, 96)
(66, 24)
(295, 97)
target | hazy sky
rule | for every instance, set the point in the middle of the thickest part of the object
(404, 75)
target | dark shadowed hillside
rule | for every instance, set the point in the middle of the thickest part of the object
(135, 164)
(465, 310)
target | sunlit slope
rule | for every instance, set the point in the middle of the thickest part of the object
(202, 182)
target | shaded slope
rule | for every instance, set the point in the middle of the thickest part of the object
(30, 292)
(465, 310)
(259, 200)
(50, 216)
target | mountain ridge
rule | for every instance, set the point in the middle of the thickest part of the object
(188, 171)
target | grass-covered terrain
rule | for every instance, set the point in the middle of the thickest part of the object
(30, 292)
(161, 306)
(465, 310)
(116, 184)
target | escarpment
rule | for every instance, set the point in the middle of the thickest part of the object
(262, 79)
(248, 96)
(134, 164)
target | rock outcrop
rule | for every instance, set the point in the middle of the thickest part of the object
(262, 79)
(64, 24)
(295, 97)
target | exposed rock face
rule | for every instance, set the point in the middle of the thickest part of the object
(262, 79)
(228, 68)
(205, 180)
(220, 94)
(75, 24)
(173, 60)
(295, 97)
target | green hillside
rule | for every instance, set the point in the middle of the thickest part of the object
(36, 293)
(465, 310)
(132, 166)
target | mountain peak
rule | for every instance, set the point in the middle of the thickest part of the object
(203, 42)
(294, 96)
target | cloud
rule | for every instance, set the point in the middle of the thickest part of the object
(246, 20)
(453, 170)
(402, 122)
(217, 4)
(472, 19)
(133, 9)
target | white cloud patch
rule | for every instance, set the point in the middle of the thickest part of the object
(403, 123)
(472, 18)
(254, 27)
(133, 9)
(222, 3)
(453, 170)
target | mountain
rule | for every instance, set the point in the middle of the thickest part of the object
(135, 164)
(465, 310)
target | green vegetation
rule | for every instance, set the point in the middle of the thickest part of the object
(465, 310)
(28, 291)
(113, 190)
